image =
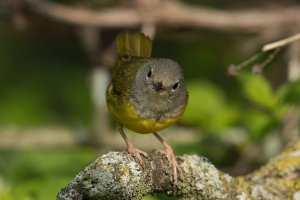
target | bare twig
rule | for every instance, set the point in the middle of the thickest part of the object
(293, 61)
(52, 137)
(233, 69)
(46, 137)
(281, 43)
(258, 69)
(149, 29)
(171, 13)
(18, 18)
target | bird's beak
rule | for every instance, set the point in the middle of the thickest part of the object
(158, 87)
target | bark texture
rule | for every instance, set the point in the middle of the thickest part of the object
(117, 175)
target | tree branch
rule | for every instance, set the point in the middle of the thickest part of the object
(281, 43)
(117, 175)
(168, 13)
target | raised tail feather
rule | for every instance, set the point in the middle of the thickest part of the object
(134, 45)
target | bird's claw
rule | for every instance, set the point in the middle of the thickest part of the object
(136, 153)
(172, 160)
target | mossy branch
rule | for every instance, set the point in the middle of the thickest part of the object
(117, 175)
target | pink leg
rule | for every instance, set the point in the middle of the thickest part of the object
(131, 149)
(170, 155)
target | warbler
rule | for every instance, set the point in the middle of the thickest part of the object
(145, 94)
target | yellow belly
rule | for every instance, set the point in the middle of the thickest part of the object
(125, 114)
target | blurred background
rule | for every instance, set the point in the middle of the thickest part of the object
(55, 63)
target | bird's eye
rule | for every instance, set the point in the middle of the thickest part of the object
(151, 70)
(175, 86)
(149, 74)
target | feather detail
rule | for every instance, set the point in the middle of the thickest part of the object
(133, 45)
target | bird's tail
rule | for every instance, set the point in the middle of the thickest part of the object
(133, 45)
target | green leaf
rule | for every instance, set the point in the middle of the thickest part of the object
(289, 93)
(259, 123)
(5, 193)
(207, 107)
(258, 90)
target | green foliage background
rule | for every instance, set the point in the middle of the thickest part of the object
(44, 80)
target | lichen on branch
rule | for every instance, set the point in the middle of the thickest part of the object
(117, 175)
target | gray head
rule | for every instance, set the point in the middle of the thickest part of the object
(158, 91)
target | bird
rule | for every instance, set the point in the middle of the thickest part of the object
(145, 94)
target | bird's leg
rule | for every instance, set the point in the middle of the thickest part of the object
(170, 155)
(132, 149)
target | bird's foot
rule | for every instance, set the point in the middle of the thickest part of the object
(136, 153)
(172, 161)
